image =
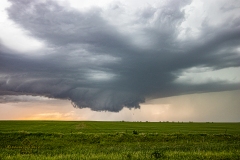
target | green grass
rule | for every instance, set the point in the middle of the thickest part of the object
(118, 140)
(113, 127)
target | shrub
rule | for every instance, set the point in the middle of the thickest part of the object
(135, 132)
(157, 154)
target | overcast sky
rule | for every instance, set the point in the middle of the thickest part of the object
(119, 56)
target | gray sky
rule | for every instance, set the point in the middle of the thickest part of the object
(107, 55)
(204, 107)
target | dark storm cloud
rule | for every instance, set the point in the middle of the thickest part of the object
(95, 64)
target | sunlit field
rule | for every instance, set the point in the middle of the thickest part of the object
(118, 140)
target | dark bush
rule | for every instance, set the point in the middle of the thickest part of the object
(157, 154)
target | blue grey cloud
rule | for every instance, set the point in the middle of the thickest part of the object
(94, 64)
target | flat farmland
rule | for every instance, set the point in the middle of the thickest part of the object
(118, 140)
(114, 127)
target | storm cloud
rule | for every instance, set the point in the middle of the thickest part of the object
(114, 57)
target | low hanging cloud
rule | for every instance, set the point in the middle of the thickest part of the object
(115, 57)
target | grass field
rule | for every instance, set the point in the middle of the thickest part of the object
(118, 140)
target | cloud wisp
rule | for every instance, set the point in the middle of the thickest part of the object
(108, 58)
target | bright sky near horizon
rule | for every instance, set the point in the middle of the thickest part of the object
(130, 60)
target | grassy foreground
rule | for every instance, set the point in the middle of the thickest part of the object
(118, 140)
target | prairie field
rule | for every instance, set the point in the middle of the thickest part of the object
(118, 140)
